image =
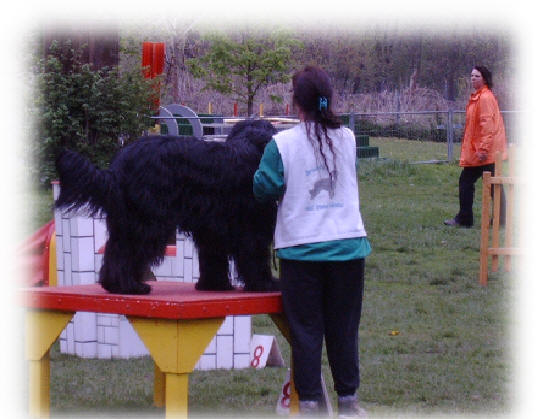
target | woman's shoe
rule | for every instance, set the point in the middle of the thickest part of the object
(348, 408)
(309, 408)
(454, 223)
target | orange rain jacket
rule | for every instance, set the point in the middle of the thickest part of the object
(484, 130)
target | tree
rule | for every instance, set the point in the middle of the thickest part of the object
(241, 67)
(99, 49)
(91, 111)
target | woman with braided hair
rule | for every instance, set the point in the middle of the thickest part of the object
(320, 240)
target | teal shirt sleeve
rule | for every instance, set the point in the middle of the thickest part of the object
(268, 180)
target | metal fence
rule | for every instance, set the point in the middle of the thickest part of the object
(444, 127)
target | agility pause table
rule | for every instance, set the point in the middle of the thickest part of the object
(175, 322)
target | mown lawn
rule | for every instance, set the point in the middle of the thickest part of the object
(449, 351)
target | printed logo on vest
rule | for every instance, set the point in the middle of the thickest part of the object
(323, 184)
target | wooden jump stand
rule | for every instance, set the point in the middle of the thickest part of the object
(175, 322)
(495, 250)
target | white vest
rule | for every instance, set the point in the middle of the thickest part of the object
(310, 210)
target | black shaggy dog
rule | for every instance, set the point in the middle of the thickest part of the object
(158, 184)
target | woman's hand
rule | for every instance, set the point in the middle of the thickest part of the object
(481, 155)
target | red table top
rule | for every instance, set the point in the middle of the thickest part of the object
(167, 300)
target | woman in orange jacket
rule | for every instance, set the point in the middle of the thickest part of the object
(484, 134)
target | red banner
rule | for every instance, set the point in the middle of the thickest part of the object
(152, 61)
(152, 58)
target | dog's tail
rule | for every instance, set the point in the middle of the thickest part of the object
(84, 185)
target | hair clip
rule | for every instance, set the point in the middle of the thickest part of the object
(323, 103)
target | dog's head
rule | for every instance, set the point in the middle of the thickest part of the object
(257, 132)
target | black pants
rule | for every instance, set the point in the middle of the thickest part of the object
(323, 299)
(466, 192)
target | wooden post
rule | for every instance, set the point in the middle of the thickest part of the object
(509, 213)
(498, 169)
(485, 220)
(497, 182)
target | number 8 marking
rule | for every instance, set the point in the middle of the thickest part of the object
(285, 401)
(256, 360)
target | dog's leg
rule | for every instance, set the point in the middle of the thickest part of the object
(213, 269)
(122, 271)
(253, 264)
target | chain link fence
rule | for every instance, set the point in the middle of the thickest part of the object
(443, 129)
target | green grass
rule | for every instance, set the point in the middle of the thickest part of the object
(410, 150)
(450, 356)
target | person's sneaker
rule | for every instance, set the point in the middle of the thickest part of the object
(348, 408)
(309, 408)
(454, 223)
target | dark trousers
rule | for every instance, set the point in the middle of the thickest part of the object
(323, 299)
(466, 193)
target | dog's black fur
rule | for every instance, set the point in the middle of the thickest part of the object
(161, 183)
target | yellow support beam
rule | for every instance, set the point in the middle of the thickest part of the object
(159, 395)
(43, 327)
(177, 400)
(42, 330)
(176, 346)
(53, 261)
(39, 376)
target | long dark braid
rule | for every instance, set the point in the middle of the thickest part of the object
(313, 94)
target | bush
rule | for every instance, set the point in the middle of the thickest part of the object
(90, 111)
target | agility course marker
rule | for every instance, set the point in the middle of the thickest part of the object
(175, 321)
(265, 352)
(494, 182)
